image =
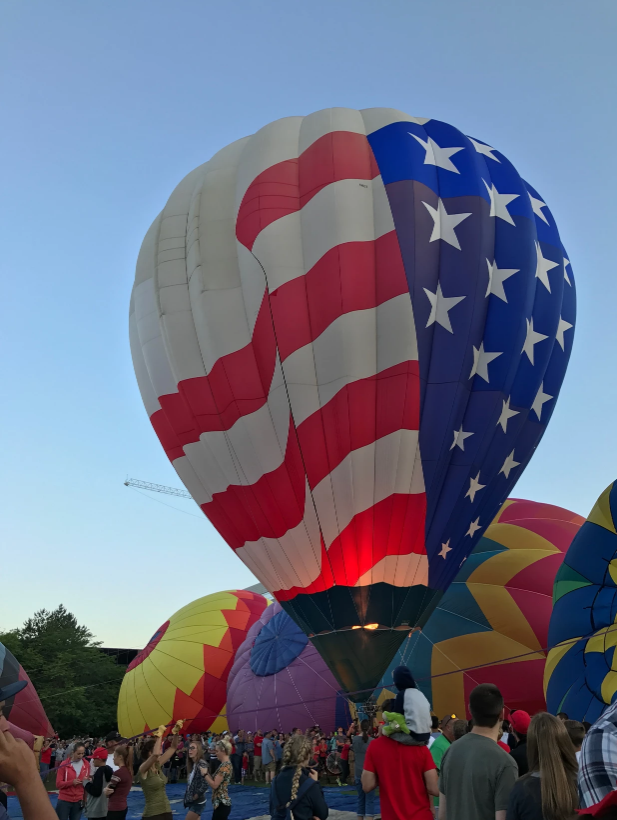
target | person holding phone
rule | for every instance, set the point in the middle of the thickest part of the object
(196, 786)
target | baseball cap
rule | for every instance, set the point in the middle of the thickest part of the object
(11, 689)
(100, 754)
(520, 721)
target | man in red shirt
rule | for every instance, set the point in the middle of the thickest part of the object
(45, 759)
(406, 776)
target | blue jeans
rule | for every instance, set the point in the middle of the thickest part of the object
(366, 801)
(44, 769)
(68, 811)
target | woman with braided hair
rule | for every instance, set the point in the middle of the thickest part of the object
(295, 792)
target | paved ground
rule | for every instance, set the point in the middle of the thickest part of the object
(247, 802)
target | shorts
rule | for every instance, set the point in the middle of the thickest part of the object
(245, 772)
(270, 767)
(117, 814)
(196, 807)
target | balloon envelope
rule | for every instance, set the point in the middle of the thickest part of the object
(492, 624)
(182, 673)
(25, 710)
(581, 670)
(279, 680)
(350, 331)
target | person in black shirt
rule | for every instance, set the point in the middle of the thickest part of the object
(520, 721)
(549, 790)
(295, 787)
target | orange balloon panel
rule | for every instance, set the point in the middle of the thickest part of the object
(182, 672)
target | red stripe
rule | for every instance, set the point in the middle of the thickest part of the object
(394, 526)
(352, 276)
(359, 414)
(286, 187)
(237, 385)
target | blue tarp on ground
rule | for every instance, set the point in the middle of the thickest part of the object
(247, 801)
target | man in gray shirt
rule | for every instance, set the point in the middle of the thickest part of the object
(476, 775)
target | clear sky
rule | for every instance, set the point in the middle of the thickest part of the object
(107, 104)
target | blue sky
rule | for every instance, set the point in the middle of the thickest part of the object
(107, 105)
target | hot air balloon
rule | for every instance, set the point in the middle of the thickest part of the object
(581, 669)
(491, 626)
(279, 680)
(182, 673)
(350, 331)
(25, 709)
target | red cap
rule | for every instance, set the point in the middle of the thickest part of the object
(605, 808)
(100, 754)
(520, 722)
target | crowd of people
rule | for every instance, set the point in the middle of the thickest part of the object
(543, 767)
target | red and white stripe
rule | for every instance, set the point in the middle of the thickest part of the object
(275, 349)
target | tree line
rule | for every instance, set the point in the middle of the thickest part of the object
(76, 682)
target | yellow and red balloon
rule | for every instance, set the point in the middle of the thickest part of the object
(182, 672)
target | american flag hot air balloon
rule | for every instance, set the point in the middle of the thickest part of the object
(350, 331)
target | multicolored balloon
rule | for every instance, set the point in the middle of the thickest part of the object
(491, 626)
(182, 673)
(279, 680)
(25, 709)
(581, 668)
(350, 331)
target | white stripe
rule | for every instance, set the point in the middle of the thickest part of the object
(253, 446)
(293, 559)
(399, 570)
(390, 465)
(276, 142)
(355, 346)
(376, 118)
(317, 125)
(350, 210)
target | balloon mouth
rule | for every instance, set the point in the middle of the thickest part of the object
(370, 627)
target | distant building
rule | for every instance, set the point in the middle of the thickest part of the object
(122, 656)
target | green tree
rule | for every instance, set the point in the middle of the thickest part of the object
(76, 682)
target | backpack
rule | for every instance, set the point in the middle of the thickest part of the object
(285, 811)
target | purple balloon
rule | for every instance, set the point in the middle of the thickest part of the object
(280, 681)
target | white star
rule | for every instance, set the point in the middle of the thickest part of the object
(536, 207)
(499, 203)
(445, 549)
(539, 400)
(435, 155)
(444, 224)
(481, 361)
(566, 262)
(496, 278)
(474, 486)
(459, 438)
(440, 305)
(532, 338)
(506, 414)
(482, 148)
(473, 528)
(561, 329)
(509, 464)
(542, 267)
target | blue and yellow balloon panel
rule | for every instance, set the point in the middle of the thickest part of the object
(581, 668)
